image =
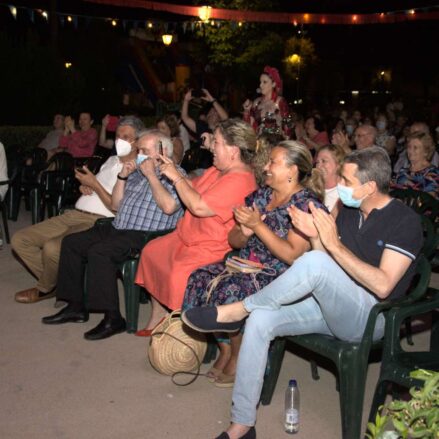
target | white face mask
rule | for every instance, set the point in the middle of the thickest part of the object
(123, 148)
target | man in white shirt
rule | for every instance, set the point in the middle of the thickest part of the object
(39, 246)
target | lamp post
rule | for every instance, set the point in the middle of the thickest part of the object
(167, 39)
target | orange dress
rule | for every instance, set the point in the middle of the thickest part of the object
(167, 262)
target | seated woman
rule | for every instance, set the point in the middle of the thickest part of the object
(314, 135)
(264, 234)
(384, 138)
(421, 175)
(169, 126)
(201, 235)
(328, 161)
(267, 113)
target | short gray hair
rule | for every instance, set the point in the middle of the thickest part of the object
(373, 165)
(168, 147)
(133, 122)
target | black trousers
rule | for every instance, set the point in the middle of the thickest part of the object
(101, 249)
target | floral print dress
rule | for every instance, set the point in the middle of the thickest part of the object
(425, 180)
(238, 286)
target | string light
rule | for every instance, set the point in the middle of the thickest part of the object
(113, 22)
(69, 18)
(149, 25)
(45, 15)
(68, 65)
(354, 18)
(240, 24)
(412, 12)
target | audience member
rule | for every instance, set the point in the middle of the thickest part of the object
(314, 136)
(421, 175)
(169, 126)
(39, 246)
(383, 137)
(51, 142)
(3, 171)
(201, 236)
(329, 290)
(82, 142)
(328, 161)
(145, 200)
(263, 234)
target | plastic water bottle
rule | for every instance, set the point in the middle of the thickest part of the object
(292, 407)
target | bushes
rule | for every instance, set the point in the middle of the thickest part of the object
(27, 137)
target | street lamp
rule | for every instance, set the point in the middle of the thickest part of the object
(167, 39)
(204, 12)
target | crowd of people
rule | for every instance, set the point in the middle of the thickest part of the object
(306, 199)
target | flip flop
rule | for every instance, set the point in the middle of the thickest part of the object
(225, 381)
(212, 374)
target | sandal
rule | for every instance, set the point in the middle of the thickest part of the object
(213, 373)
(225, 381)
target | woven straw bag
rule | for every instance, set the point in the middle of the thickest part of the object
(175, 347)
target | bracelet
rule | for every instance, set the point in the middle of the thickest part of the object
(121, 178)
(178, 179)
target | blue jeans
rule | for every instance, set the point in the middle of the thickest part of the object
(313, 296)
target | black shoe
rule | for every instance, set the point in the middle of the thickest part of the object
(106, 328)
(66, 315)
(204, 320)
(251, 434)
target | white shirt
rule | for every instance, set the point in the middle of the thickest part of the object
(331, 197)
(107, 177)
(184, 136)
(3, 171)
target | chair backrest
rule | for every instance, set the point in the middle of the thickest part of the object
(39, 157)
(421, 279)
(62, 161)
(421, 202)
(431, 238)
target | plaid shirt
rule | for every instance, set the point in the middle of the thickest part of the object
(139, 211)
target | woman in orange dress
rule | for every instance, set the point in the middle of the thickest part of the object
(200, 237)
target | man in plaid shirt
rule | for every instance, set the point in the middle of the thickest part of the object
(145, 201)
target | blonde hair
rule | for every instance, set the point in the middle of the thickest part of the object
(337, 151)
(310, 178)
(238, 133)
(264, 145)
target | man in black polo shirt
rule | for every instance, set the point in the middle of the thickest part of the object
(367, 254)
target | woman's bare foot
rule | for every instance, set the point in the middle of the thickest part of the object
(233, 312)
(221, 362)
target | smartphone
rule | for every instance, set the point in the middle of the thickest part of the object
(197, 93)
(113, 121)
(160, 147)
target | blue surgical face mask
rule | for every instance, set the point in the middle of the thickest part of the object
(346, 196)
(140, 158)
(381, 125)
(349, 129)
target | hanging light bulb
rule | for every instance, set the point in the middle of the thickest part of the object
(167, 39)
(45, 15)
(13, 10)
(149, 25)
(204, 12)
(69, 18)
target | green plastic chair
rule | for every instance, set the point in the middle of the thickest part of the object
(421, 202)
(351, 359)
(396, 363)
(128, 269)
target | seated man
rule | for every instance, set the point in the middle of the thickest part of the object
(82, 142)
(145, 200)
(366, 255)
(39, 246)
(51, 142)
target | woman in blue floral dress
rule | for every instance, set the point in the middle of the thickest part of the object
(264, 234)
(421, 175)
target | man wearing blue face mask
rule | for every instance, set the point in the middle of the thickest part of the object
(145, 201)
(365, 255)
(39, 246)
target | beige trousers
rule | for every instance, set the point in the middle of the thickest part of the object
(39, 246)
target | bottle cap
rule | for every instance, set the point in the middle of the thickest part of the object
(292, 383)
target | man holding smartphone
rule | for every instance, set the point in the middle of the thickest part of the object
(144, 200)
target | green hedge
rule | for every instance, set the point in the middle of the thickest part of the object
(26, 137)
(29, 137)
